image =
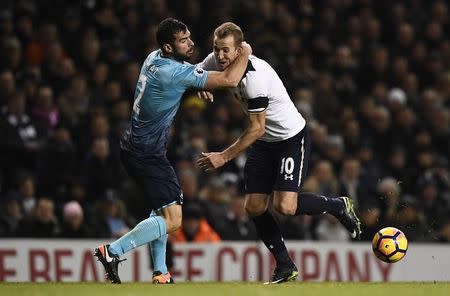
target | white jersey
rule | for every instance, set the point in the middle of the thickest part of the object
(261, 89)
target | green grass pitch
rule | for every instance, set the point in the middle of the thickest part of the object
(225, 289)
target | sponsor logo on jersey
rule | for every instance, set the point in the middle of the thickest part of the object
(199, 72)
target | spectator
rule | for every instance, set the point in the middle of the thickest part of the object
(74, 101)
(43, 223)
(45, 111)
(352, 136)
(217, 200)
(410, 220)
(329, 228)
(432, 203)
(12, 53)
(405, 125)
(237, 225)
(334, 151)
(327, 182)
(11, 214)
(99, 79)
(111, 219)
(371, 218)
(7, 87)
(27, 192)
(396, 167)
(57, 162)
(350, 181)
(101, 170)
(21, 139)
(441, 175)
(77, 192)
(389, 194)
(73, 222)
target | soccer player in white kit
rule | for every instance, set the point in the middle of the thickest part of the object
(278, 149)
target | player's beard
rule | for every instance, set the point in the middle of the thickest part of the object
(181, 57)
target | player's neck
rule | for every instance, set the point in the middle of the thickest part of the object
(170, 56)
(166, 55)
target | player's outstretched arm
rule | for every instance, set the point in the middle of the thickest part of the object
(255, 130)
(231, 76)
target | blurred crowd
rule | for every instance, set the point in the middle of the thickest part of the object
(372, 77)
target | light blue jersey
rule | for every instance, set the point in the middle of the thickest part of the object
(161, 84)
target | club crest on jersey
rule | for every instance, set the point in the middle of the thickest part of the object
(199, 71)
(152, 69)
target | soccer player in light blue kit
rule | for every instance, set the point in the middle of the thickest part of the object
(163, 79)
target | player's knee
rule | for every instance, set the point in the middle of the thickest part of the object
(173, 223)
(255, 209)
(172, 215)
(176, 224)
(284, 208)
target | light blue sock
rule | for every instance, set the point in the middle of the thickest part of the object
(146, 231)
(158, 249)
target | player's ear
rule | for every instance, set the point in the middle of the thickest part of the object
(167, 48)
(237, 44)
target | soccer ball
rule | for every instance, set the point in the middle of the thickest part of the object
(389, 244)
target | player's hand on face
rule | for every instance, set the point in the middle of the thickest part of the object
(246, 48)
(205, 95)
(211, 160)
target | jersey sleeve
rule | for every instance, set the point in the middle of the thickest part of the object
(256, 92)
(190, 76)
(209, 63)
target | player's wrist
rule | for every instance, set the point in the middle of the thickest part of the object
(225, 156)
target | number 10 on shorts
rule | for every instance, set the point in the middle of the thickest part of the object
(287, 167)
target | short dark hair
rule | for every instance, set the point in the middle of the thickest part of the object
(167, 29)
